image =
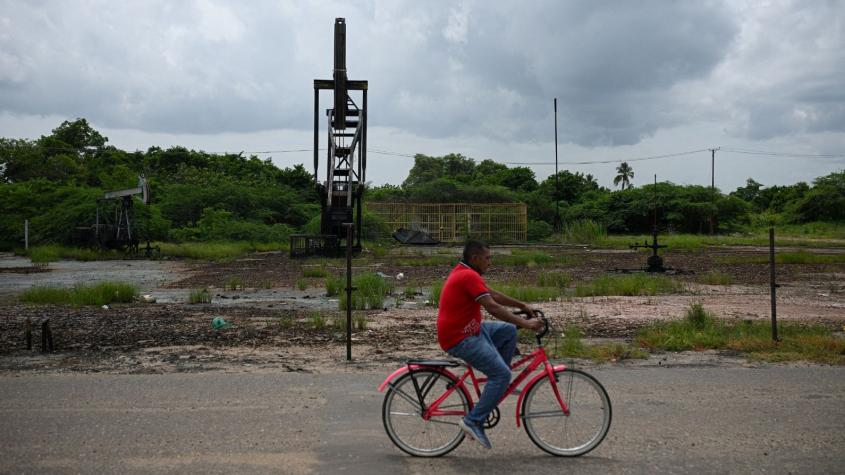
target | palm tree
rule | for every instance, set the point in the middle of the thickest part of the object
(625, 174)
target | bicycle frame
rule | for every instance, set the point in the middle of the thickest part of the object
(533, 361)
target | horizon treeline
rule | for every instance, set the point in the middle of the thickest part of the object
(56, 180)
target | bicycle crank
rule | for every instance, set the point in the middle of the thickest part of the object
(492, 419)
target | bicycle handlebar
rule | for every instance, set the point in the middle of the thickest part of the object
(542, 316)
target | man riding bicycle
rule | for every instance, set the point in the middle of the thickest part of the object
(486, 346)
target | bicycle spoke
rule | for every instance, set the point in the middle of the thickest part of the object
(403, 419)
(576, 433)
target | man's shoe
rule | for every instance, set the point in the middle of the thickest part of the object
(476, 432)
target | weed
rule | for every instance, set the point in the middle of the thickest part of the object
(699, 330)
(434, 297)
(572, 346)
(370, 291)
(334, 284)
(715, 278)
(98, 294)
(635, 284)
(584, 231)
(234, 283)
(317, 321)
(302, 283)
(285, 321)
(360, 321)
(800, 257)
(528, 293)
(409, 292)
(199, 296)
(560, 280)
(319, 272)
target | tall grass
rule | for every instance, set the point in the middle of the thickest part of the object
(98, 294)
(554, 279)
(53, 252)
(715, 278)
(572, 346)
(527, 293)
(370, 291)
(199, 296)
(434, 296)
(334, 284)
(630, 285)
(315, 272)
(699, 330)
(584, 231)
(217, 251)
(530, 258)
(800, 257)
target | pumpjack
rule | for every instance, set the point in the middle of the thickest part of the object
(342, 191)
(117, 233)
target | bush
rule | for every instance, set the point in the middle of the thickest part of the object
(539, 230)
(99, 294)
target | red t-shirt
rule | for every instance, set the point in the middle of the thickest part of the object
(459, 315)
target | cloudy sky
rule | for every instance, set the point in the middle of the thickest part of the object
(633, 79)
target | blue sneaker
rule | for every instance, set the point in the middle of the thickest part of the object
(476, 432)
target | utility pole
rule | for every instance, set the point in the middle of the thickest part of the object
(713, 185)
(557, 186)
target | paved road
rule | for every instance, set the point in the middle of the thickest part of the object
(666, 420)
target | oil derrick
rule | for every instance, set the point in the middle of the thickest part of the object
(342, 191)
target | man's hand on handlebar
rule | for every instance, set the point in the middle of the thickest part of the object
(534, 324)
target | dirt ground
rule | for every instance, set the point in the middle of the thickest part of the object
(276, 326)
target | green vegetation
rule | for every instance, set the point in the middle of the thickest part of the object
(527, 293)
(410, 291)
(519, 257)
(560, 280)
(572, 346)
(371, 289)
(199, 296)
(631, 284)
(800, 257)
(334, 284)
(317, 321)
(699, 330)
(584, 231)
(319, 272)
(234, 283)
(216, 251)
(103, 293)
(230, 204)
(301, 283)
(434, 296)
(53, 252)
(715, 278)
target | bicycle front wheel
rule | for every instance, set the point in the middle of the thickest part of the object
(567, 435)
(402, 413)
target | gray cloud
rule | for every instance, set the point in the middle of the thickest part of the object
(621, 71)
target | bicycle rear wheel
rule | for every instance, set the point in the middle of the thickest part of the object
(589, 414)
(403, 416)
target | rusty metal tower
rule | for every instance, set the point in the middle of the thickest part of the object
(342, 191)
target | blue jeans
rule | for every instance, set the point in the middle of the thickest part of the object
(489, 352)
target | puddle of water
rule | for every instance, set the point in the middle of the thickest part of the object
(146, 274)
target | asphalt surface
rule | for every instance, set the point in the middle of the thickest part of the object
(773, 419)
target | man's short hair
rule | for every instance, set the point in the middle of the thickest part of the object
(473, 248)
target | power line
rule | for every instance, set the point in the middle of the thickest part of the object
(780, 154)
(615, 160)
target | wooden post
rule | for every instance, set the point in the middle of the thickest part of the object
(349, 289)
(26, 234)
(773, 283)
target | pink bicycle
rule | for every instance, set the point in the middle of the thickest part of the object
(565, 412)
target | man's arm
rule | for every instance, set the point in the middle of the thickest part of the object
(505, 315)
(507, 301)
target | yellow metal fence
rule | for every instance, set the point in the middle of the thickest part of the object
(455, 222)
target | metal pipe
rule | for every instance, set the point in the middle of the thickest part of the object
(773, 283)
(349, 227)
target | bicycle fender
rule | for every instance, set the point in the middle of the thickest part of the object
(404, 369)
(528, 386)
